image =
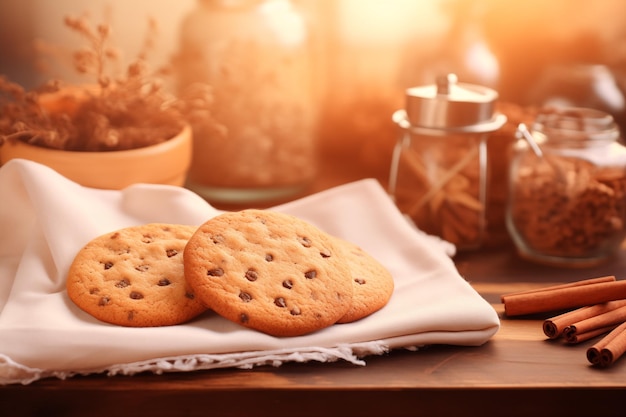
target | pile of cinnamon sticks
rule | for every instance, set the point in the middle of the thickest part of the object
(593, 307)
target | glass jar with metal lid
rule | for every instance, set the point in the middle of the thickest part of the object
(567, 203)
(438, 175)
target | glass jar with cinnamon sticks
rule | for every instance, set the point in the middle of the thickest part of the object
(439, 173)
(567, 203)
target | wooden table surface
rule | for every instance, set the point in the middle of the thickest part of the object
(517, 373)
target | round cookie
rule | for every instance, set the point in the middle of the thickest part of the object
(373, 283)
(268, 271)
(134, 277)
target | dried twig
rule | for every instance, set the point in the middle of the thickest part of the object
(121, 111)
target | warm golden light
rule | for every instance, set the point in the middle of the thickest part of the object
(374, 22)
(370, 51)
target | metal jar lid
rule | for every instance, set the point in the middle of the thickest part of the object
(450, 105)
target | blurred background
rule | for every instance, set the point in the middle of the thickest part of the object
(367, 52)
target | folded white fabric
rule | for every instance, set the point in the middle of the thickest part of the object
(45, 219)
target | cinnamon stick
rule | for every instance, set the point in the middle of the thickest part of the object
(554, 326)
(609, 349)
(563, 298)
(574, 337)
(597, 280)
(612, 317)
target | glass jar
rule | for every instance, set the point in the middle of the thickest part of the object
(567, 203)
(439, 169)
(256, 56)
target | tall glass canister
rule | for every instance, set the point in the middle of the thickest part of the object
(256, 57)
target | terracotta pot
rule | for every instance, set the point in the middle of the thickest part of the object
(164, 163)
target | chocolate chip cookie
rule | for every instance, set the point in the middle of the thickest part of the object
(269, 271)
(134, 277)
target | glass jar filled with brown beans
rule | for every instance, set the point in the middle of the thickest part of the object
(567, 203)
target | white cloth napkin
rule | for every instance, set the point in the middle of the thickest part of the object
(45, 219)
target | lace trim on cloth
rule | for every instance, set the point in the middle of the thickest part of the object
(12, 372)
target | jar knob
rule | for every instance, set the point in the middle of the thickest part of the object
(445, 83)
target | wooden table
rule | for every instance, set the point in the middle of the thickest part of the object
(517, 373)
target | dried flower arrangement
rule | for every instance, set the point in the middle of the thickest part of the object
(121, 112)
